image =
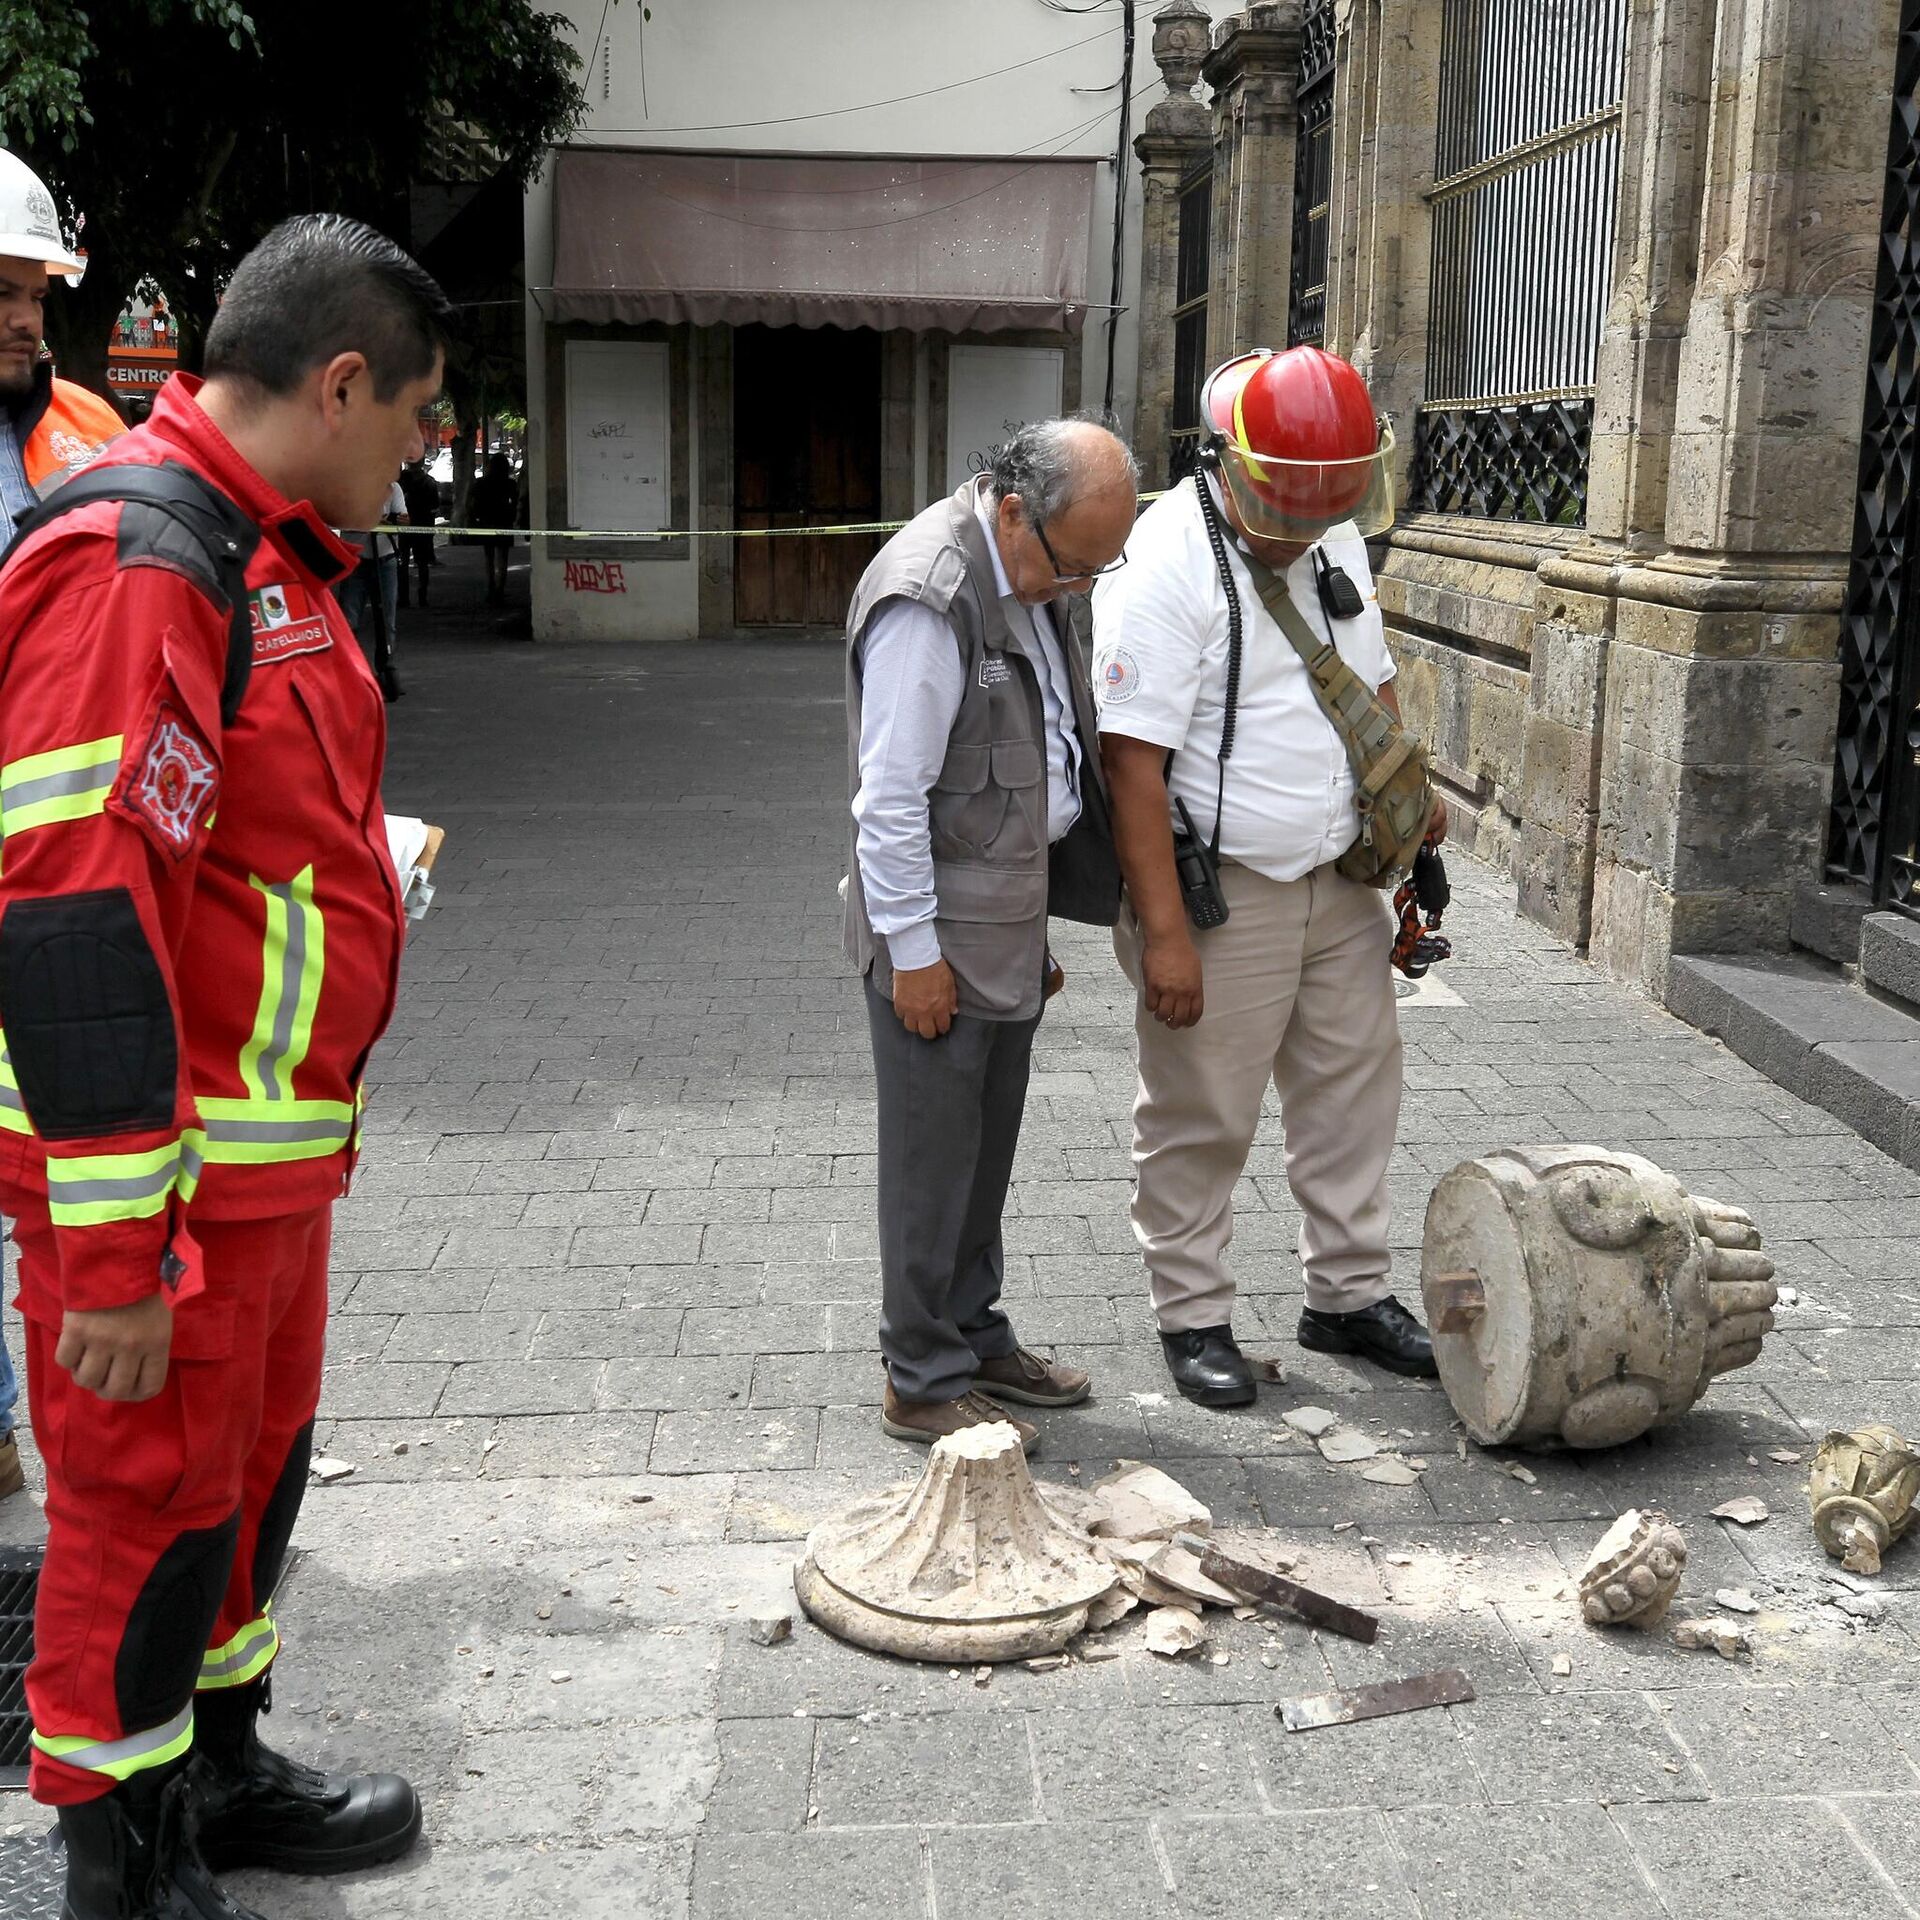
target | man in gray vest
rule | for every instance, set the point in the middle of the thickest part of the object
(974, 777)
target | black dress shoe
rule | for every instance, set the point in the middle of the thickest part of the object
(1207, 1367)
(1385, 1332)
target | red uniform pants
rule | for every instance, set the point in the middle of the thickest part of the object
(168, 1519)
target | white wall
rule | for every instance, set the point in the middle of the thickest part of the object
(809, 77)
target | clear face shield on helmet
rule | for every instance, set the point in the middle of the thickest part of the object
(1290, 499)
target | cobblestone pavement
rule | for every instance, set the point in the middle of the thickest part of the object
(604, 1349)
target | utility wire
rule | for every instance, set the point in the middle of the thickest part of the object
(1120, 153)
(866, 106)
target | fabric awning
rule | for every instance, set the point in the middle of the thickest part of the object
(730, 239)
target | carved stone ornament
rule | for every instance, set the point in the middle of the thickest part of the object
(1182, 32)
(970, 1563)
(1580, 1297)
(1862, 1491)
(1632, 1575)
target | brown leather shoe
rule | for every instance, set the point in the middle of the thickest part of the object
(1034, 1382)
(11, 1478)
(926, 1421)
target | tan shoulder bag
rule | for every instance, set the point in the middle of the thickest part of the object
(1394, 793)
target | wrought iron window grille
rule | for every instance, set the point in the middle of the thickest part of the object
(1312, 176)
(1526, 171)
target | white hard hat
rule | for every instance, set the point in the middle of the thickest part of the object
(30, 222)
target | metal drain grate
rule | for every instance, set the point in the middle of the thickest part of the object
(19, 1576)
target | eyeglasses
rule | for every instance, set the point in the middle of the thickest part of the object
(1061, 577)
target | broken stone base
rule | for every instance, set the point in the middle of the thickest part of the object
(971, 1563)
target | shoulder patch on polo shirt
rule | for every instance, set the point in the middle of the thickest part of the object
(285, 623)
(1119, 677)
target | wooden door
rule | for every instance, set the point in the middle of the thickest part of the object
(806, 411)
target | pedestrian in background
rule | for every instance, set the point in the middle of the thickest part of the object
(977, 810)
(494, 501)
(422, 499)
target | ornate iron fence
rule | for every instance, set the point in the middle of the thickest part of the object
(1312, 177)
(1874, 830)
(1526, 172)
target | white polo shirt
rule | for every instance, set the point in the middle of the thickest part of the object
(1160, 675)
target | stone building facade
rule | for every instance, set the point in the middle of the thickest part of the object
(1615, 271)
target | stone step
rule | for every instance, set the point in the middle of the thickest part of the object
(1890, 957)
(1806, 1025)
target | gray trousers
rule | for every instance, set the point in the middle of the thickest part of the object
(949, 1125)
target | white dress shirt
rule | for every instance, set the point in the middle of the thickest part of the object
(912, 682)
(1160, 675)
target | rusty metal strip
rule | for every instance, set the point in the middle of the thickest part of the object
(1286, 1596)
(1448, 1687)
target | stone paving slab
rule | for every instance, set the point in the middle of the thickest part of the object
(603, 1350)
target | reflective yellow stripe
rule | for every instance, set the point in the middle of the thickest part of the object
(245, 1657)
(121, 1759)
(293, 959)
(67, 784)
(264, 1132)
(13, 1110)
(96, 1189)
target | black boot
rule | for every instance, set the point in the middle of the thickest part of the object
(1208, 1367)
(131, 1855)
(1385, 1332)
(258, 1809)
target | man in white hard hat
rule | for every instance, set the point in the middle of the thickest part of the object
(48, 429)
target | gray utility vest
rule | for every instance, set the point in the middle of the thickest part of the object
(995, 876)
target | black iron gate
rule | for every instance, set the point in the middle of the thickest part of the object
(1874, 837)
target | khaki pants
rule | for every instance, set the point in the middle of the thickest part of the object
(1298, 987)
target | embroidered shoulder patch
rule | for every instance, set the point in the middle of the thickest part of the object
(176, 783)
(1119, 678)
(285, 623)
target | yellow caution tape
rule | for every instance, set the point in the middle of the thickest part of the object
(666, 533)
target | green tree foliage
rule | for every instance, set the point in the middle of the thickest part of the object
(181, 130)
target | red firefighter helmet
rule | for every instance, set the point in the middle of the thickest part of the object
(1299, 447)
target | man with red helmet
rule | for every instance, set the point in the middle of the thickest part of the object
(1292, 982)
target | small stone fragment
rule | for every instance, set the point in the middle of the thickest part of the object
(1092, 1650)
(400, 1447)
(1113, 1605)
(1273, 1372)
(1312, 1421)
(769, 1629)
(560, 1676)
(1515, 1471)
(1399, 1559)
(1390, 1473)
(1726, 1639)
(1747, 1511)
(1344, 1445)
(1785, 1455)
(1737, 1600)
(1345, 1526)
(1245, 1613)
(327, 1469)
(1862, 1606)
(1139, 1502)
(641, 1499)
(1040, 1663)
(1563, 1666)
(544, 1611)
(1173, 1631)
(1219, 1659)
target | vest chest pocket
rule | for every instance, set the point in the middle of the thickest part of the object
(1016, 764)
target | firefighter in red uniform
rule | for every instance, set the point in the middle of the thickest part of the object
(200, 935)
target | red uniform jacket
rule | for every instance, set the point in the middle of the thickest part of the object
(200, 926)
